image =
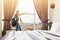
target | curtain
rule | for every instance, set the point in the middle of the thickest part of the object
(9, 8)
(42, 11)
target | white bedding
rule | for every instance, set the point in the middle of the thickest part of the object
(31, 35)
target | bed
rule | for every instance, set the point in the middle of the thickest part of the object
(31, 35)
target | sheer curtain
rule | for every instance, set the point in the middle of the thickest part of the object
(42, 11)
(9, 8)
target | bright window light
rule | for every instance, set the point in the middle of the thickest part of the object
(27, 6)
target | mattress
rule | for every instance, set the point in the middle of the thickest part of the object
(31, 35)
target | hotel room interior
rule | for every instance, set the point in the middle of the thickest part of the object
(40, 19)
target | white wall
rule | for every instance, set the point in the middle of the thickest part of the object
(55, 13)
(55, 16)
(50, 11)
(0, 18)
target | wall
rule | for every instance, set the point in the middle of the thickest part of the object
(0, 18)
(50, 11)
(54, 14)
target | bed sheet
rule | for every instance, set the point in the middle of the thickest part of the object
(31, 35)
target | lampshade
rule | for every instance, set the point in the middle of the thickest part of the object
(52, 5)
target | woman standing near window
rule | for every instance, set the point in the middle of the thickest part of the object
(18, 27)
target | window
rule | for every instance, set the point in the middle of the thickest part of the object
(26, 7)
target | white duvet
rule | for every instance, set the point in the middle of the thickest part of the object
(31, 35)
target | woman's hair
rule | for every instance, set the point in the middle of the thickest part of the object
(17, 13)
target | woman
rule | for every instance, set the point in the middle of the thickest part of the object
(18, 27)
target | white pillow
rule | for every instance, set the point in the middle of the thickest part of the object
(55, 27)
